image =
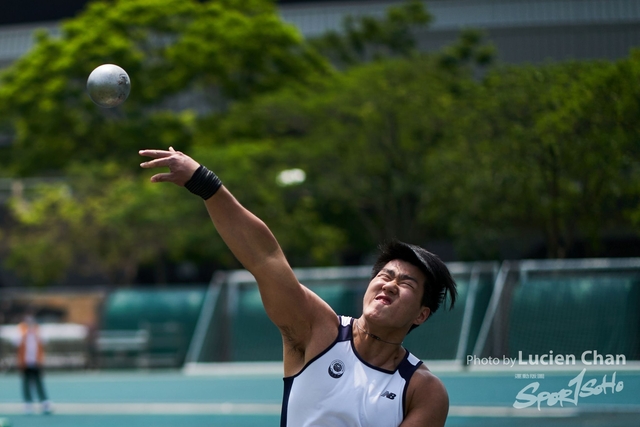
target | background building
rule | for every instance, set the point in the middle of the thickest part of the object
(522, 30)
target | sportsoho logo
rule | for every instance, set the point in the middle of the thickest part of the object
(577, 388)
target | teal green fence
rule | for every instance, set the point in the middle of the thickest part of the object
(235, 327)
(509, 309)
(567, 308)
(148, 327)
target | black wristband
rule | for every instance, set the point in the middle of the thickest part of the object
(203, 183)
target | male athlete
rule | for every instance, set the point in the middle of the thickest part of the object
(339, 371)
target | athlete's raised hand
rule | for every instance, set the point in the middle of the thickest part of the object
(181, 167)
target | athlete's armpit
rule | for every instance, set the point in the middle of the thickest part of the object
(292, 343)
(304, 339)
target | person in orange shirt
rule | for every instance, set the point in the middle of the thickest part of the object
(30, 362)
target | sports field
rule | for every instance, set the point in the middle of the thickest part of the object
(241, 399)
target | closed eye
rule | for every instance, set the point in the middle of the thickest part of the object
(403, 279)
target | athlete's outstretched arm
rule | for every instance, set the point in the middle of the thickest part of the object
(291, 306)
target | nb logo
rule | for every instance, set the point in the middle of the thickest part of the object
(388, 395)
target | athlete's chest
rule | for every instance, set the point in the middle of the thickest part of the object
(339, 389)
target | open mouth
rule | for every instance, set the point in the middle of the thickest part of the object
(383, 299)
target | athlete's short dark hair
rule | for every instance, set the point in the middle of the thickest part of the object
(438, 282)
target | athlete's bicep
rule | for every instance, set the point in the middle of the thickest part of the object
(292, 307)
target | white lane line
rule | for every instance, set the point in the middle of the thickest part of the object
(229, 408)
(226, 408)
(508, 412)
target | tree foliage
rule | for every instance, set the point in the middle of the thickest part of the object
(394, 143)
(417, 149)
(186, 60)
(364, 38)
(555, 149)
(211, 52)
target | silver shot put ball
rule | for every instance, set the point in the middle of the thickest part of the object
(108, 85)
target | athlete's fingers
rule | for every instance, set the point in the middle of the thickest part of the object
(162, 177)
(156, 153)
(156, 163)
(181, 167)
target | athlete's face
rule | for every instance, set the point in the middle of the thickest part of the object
(394, 296)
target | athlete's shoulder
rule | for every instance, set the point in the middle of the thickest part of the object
(427, 399)
(425, 381)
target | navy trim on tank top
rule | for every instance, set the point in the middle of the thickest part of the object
(288, 385)
(386, 371)
(406, 371)
(346, 331)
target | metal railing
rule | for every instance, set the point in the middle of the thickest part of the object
(514, 273)
(484, 340)
(224, 294)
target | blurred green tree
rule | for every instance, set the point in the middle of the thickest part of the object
(365, 38)
(187, 60)
(420, 149)
(364, 140)
(550, 153)
(179, 55)
(396, 144)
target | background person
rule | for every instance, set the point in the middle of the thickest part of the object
(30, 360)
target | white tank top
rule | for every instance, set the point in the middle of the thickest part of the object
(31, 348)
(339, 389)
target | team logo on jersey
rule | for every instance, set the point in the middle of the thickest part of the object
(336, 368)
(388, 395)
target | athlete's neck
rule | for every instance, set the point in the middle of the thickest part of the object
(377, 338)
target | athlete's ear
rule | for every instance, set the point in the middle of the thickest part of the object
(423, 316)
